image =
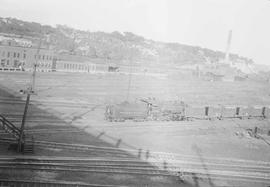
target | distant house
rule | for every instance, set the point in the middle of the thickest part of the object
(210, 76)
(222, 72)
(240, 78)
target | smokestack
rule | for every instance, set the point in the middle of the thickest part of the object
(227, 60)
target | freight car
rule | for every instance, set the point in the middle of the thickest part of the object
(138, 111)
(169, 111)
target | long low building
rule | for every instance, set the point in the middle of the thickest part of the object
(73, 66)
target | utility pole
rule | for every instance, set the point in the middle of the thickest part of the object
(129, 80)
(29, 92)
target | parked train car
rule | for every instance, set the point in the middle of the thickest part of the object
(169, 111)
(138, 111)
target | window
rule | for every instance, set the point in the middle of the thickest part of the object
(39, 56)
(14, 55)
(43, 57)
(18, 55)
(8, 54)
(15, 63)
(7, 62)
(24, 56)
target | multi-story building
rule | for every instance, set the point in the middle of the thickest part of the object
(13, 56)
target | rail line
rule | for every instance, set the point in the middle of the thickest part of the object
(7, 182)
(218, 167)
(160, 156)
(132, 167)
(47, 131)
(49, 103)
(133, 164)
(189, 116)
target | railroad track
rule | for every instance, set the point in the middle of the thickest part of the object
(19, 183)
(160, 156)
(47, 131)
(220, 168)
(126, 167)
(68, 104)
(48, 103)
(131, 164)
(152, 155)
(131, 170)
(130, 167)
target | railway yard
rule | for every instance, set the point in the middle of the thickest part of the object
(74, 145)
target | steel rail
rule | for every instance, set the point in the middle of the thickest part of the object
(135, 161)
(138, 165)
(153, 156)
(200, 173)
(15, 183)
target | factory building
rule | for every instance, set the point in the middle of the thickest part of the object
(13, 56)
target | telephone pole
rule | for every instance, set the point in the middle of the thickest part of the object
(129, 80)
(29, 92)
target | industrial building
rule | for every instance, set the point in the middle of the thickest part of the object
(14, 56)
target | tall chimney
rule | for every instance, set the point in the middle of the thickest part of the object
(227, 60)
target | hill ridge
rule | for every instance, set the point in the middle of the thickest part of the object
(114, 45)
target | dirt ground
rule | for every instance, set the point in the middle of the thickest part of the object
(79, 100)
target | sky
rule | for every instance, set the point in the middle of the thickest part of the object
(204, 23)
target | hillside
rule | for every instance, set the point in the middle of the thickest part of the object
(115, 45)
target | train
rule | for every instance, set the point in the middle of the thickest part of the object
(145, 110)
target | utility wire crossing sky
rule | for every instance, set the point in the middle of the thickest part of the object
(204, 23)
